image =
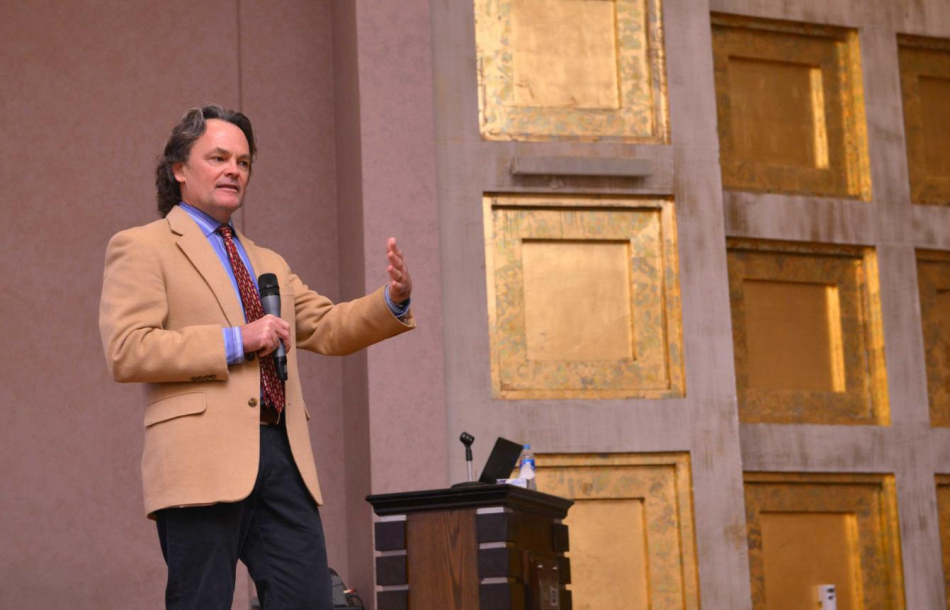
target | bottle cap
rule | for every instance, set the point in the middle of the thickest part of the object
(527, 446)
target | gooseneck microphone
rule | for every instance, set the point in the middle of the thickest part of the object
(467, 440)
(270, 302)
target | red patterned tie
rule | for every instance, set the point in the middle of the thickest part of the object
(273, 387)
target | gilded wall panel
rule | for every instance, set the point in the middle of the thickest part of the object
(631, 528)
(579, 69)
(925, 87)
(583, 297)
(790, 108)
(807, 332)
(807, 530)
(933, 282)
(943, 512)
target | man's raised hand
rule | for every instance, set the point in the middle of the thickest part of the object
(400, 282)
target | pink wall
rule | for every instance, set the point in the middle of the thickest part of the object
(394, 394)
(89, 91)
(399, 198)
(287, 90)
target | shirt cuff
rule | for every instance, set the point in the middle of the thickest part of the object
(233, 344)
(398, 309)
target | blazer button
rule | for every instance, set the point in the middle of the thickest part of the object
(249, 357)
(252, 402)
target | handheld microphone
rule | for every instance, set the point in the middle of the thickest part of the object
(270, 302)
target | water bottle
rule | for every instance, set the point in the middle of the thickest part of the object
(527, 467)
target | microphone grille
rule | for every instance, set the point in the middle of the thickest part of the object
(267, 284)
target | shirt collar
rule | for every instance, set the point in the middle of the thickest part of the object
(206, 223)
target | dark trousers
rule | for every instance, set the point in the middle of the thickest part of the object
(276, 532)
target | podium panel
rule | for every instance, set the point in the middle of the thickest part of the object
(487, 547)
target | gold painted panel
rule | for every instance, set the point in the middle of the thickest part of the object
(575, 69)
(807, 530)
(807, 333)
(564, 54)
(933, 283)
(800, 550)
(597, 275)
(790, 105)
(598, 527)
(583, 297)
(793, 334)
(632, 530)
(943, 514)
(925, 87)
(791, 133)
(935, 120)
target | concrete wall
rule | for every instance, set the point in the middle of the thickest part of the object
(705, 423)
(909, 447)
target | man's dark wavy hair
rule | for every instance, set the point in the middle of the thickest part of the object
(191, 127)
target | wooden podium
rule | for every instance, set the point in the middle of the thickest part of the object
(482, 547)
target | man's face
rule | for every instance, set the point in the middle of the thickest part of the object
(215, 176)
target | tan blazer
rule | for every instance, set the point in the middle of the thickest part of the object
(165, 299)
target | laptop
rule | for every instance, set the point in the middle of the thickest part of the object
(501, 462)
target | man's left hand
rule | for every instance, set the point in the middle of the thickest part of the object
(400, 282)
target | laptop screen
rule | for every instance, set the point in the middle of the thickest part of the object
(502, 460)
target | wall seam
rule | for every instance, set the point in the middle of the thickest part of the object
(240, 89)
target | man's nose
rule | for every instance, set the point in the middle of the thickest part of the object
(232, 168)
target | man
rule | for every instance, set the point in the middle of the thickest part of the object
(227, 467)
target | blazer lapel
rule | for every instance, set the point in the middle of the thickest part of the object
(196, 247)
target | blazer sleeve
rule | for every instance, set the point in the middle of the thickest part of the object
(132, 312)
(343, 328)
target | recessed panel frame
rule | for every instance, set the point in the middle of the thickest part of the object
(660, 483)
(833, 114)
(647, 228)
(870, 503)
(852, 271)
(923, 59)
(943, 515)
(641, 112)
(933, 284)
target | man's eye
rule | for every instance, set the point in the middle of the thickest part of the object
(217, 158)
(244, 164)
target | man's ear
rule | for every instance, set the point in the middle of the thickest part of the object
(178, 170)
